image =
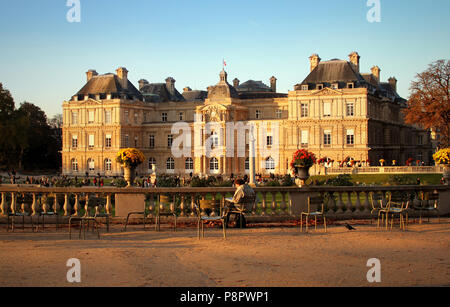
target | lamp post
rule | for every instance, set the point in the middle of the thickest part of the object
(252, 153)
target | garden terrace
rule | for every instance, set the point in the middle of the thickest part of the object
(274, 203)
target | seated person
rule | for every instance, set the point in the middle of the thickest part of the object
(243, 198)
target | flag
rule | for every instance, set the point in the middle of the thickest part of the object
(224, 63)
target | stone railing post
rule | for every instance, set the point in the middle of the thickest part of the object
(3, 205)
(108, 204)
(13, 203)
(66, 206)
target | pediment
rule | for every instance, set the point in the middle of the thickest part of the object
(89, 102)
(327, 92)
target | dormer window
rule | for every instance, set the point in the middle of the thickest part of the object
(102, 96)
(305, 87)
(319, 87)
(335, 86)
(80, 97)
(350, 85)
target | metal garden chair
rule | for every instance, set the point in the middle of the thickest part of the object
(316, 208)
(212, 205)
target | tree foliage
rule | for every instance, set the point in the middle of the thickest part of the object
(27, 141)
(429, 103)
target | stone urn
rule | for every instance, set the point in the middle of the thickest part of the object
(301, 175)
(129, 174)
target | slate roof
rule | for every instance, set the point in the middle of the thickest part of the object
(253, 86)
(158, 92)
(343, 72)
(195, 95)
(108, 84)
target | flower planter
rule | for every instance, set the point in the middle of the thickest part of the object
(129, 174)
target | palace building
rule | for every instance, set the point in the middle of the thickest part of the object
(337, 112)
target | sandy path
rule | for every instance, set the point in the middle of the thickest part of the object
(251, 257)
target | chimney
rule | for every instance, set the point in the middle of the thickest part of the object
(236, 83)
(376, 73)
(393, 82)
(354, 59)
(273, 84)
(170, 85)
(187, 89)
(122, 74)
(314, 61)
(142, 83)
(90, 74)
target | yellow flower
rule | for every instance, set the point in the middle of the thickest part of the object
(442, 156)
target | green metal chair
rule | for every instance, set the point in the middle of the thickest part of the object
(165, 201)
(212, 205)
(315, 204)
(377, 205)
(398, 204)
(429, 202)
(247, 205)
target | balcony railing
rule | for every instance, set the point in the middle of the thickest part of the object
(273, 202)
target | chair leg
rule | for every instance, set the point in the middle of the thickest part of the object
(306, 221)
(301, 222)
(315, 223)
(224, 229)
(325, 223)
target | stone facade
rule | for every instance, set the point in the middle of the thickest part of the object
(336, 112)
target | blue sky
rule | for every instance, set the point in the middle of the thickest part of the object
(44, 58)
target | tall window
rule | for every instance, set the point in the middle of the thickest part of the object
(136, 139)
(350, 109)
(75, 118)
(181, 116)
(91, 141)
(270, 164)
(91, 116)
(327, 137)
(164, 117)
(74, 165)
(169, 141)
(304, 110)
(247, 164)
(125, 140)
(136, 118)
(189, 164)
(326, 109)
(74, 141)
(214, 164)
(279, 113)
(214, 139)
(170, 164)
(350, 137)
(91, 165)
(151, 141)
(151, 162)
(108, 141)
(107, 117)
(126, 116)
(108, 165)
(258, 114)
(305, 138)
(269, 140)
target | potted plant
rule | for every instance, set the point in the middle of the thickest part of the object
(382, 161)
(442, 157)
(130, 158)
(409, 162)
(302, 162)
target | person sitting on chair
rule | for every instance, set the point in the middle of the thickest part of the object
(243, 193)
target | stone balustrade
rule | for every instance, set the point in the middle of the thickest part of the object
(273, 202)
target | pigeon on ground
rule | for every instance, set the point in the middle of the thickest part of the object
(349, 227)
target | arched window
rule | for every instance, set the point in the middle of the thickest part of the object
(270, 164)
(74, 165)
(170, 164)
(108, 165)
(214, 164)
(189, 164)
(151, 162)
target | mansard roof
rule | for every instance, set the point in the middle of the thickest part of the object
(195, 95)
(333, 71)
(108, 84)
(158, 92)
(253, 86)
